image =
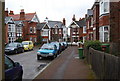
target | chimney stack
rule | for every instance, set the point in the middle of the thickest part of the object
(64, 21)
(11, 12)
(46, 20)
(73, 17)
(6, 12)
(22, 14)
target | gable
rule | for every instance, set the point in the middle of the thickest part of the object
(46, 27)
(9, 20)
(35, 19)
(73, 25)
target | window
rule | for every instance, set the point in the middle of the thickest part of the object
(34, 30)
(59, 31)
(104, 6)
(35, 39)
(8, 63)
(84, 29)
(30, 29)
(104, 33)
(56, 31)
(30, 38)
(45, 33)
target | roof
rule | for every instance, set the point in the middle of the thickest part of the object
(28, 16)
(53, 23)
(7, 19)
(81, 23)
(17, 22)
(40, 25)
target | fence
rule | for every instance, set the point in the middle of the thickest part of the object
(105, 66)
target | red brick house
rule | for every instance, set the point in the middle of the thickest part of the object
(89, 25)
(10, 32)
(106, 19)
(92, 22)
(104, 24)
(44, 32)
(30, 21)
(77, 30)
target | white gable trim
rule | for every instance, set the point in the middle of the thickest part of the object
(44, 26)
(35, 18)
(73, 22)
(11, 19)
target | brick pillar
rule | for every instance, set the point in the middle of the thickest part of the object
(115, 27)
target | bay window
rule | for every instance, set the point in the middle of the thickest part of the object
(104, 6)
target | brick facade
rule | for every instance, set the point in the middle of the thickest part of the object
(115, 27)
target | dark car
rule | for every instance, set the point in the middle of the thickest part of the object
(58, 46)
(66, 44)
(14, 47)
(13, 70)
(62, 45)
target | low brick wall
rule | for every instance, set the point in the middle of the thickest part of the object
(105, 66)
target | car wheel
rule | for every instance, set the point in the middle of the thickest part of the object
(54, 56)
(16, 51)
(39, 57)
(22, 50)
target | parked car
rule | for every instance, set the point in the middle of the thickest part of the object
(28, 45)
(13, 70)
(58, 46)
(66, 44)
(47, 50)
(62, 45)
(14, 47)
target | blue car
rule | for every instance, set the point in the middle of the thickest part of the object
(59, 49)
(47, 50)
(13, 70)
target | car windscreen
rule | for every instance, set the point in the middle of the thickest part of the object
(47, 47)
(11, 45)
(25, 43)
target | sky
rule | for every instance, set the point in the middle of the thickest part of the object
(55, 10)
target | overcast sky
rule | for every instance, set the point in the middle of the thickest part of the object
(53, 9)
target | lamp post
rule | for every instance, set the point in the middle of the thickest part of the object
(2, 5)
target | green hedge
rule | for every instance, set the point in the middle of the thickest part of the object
(93, 44)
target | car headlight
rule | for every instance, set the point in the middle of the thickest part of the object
(26, 46)
(12, 48)
(50, 53)
(38, 52)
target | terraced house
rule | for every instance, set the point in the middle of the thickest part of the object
(77, 30)
(30, 22)
(53, 30)
(106, 19)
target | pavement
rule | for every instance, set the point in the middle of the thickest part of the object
(67, 66)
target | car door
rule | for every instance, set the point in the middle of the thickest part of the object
(11, 72)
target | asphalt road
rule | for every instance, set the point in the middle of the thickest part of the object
(31, 66)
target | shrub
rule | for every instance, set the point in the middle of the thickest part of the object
(19, 40)
(93, 44)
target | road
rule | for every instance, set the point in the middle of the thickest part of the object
(31, 66)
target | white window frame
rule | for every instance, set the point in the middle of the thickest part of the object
(31, 29)
(102, 33)
(84, 29)
(34, 29)
(103, 6)
(31, 38)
